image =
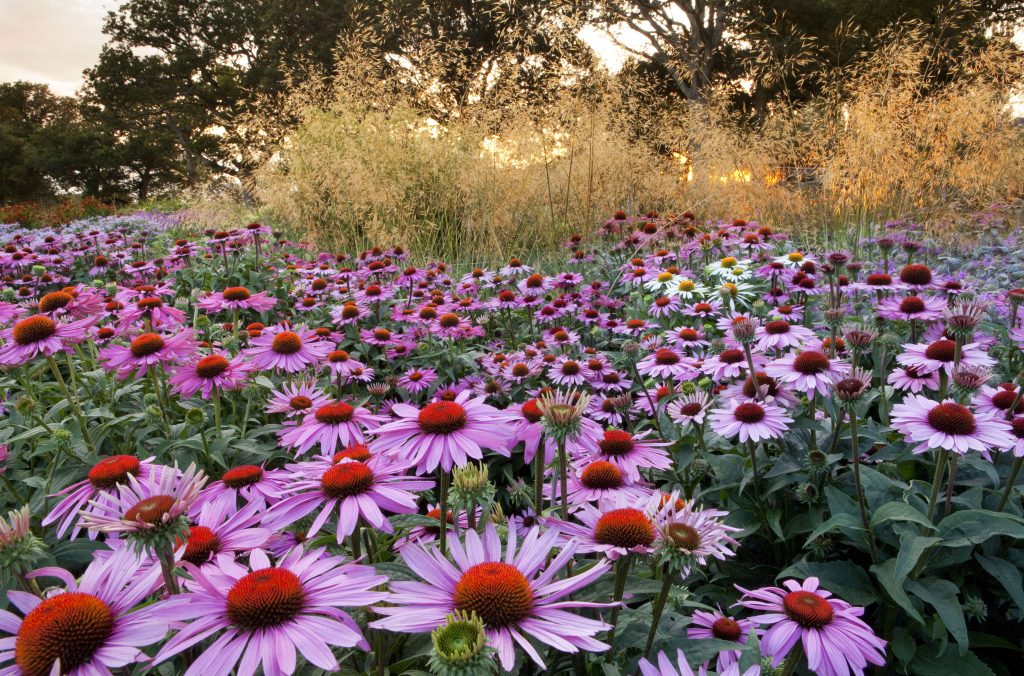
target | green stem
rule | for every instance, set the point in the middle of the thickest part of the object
(950, 482)
(658, 608)
(538, 478)
(940, 468)
(621, 573)
(860, 486)
(442, 480)
(216, 410)
(1010, 481)
(74, 403)
(564, 472)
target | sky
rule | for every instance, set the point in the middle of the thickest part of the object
(53, 41)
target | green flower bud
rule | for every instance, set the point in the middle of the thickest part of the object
(62, 436)
(195, 417)
(688, 387)
(460, 647)
(25, 405)
(150, 399)
(38, 270)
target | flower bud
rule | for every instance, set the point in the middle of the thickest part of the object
(460, 647)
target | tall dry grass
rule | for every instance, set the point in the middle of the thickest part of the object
(364, 166)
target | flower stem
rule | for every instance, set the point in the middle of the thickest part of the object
(752, 450)
(860, 486)
(442, 504)
(538, 478)
(940, 468)
(621, 573)
(216, 410)
(658, 608)
(1010, 481)
(165, 554)
(949, 483)
(74, 403)
(564, 472)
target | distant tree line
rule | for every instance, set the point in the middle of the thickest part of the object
(182, 89)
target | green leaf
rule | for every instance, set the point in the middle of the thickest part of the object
(898, 511)
(911, 549)
(837, 522)
(977, 525)
(1007, 574)
(928, 663)
(942, 595)
(886, 574)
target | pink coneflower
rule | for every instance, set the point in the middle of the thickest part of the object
(626, 451)
(351, 488)
(296, 400)
(149, 505)
(77, 301)
(692, 533)
(203, 374)
(728, 364)
(911, 308)
(998, 400)
(704, 309)
(610, 380)
(417, 380)
(667, 364)
(288, 350)
(689, 339)
(781, 335)
(939, 354)
(950, 426)
(566, 371)
(509, 588)
(809, 371)
(41, 335)
(249, 484)
(911, 379)
(616, 528)
(216, 532)
(331, 426)
(268, 613)
(92, 626)
(380, 336)
(718, 625)
(236, 298)
(105, 475)
(341, 363)
(751, 420)
(835, 640)
(148, 351)
(597, 481)
(153, 310)
(690, 408)
(445, 433)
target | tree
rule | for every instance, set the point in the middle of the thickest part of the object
(189, 72)
(26, 110)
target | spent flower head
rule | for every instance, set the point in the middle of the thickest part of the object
(562, 412)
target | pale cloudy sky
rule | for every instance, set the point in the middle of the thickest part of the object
(51, 41)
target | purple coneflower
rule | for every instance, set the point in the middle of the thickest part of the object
(835, 640)
(515, 590)
(40, 334)
(751, 420)
(352, 488)
(203, 374)
(267, 613)
(217, 532)
(331, 426)
(667, 364)
(105, 475)
(718, 625)
(288, 350)
(939, 354)
(145, 506)
(148, 351)
(626, 451)
(296, 400)
(92, 626)
(950, 426)
(250, 484)
(781, 335)
(809, 371)
(445, 433)
(236, 298)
